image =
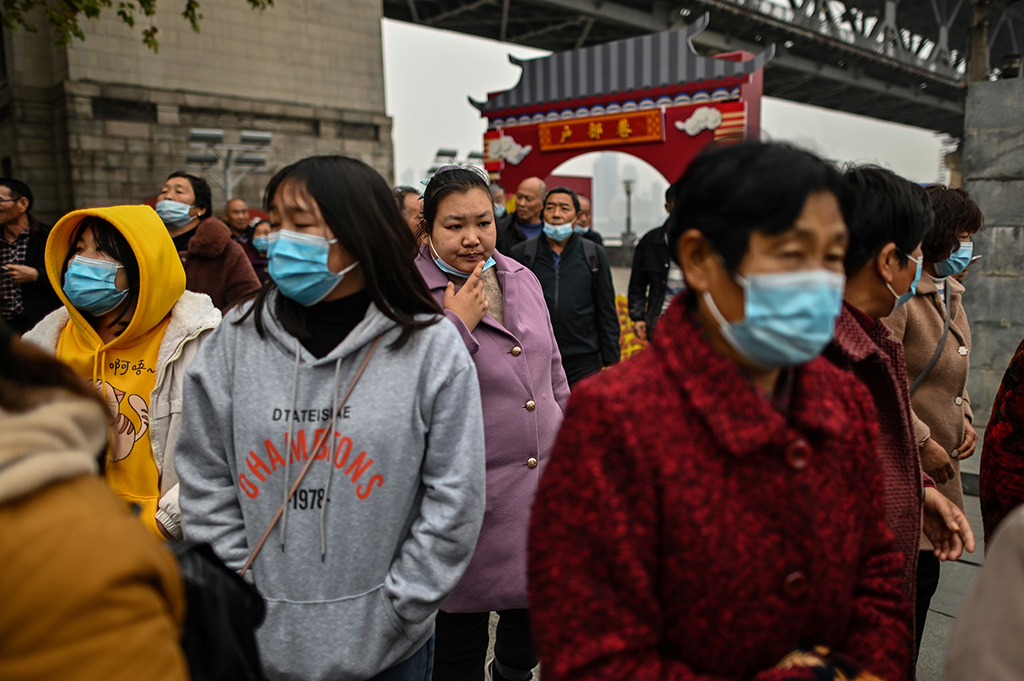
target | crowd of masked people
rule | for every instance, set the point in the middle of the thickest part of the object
(417, 427)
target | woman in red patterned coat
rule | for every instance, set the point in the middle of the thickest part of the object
(713, 509)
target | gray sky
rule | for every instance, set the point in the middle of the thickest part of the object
(430, 73)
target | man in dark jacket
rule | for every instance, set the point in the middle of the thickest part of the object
(577, 283)
(655, 279)
(27, 293)
(527, 221)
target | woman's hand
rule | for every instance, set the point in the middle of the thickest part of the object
(946, 526)
(966, 448)
(470, 303)
(936, 462)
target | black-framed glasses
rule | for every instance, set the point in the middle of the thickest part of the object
(15, 200)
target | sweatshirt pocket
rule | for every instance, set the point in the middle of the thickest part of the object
(345, 639)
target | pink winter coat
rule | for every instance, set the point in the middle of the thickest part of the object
(524, 394)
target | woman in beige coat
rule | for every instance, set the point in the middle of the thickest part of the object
(941, 405)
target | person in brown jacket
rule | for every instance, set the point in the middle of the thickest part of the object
(888, 219)
(87, 593)
(941, 405)
(214, 263)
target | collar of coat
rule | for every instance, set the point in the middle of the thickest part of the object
(742, 419)
(856, 343)
(191, 314)
(506, 268)
(211, 238)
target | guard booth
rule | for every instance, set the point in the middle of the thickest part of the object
(652, 97)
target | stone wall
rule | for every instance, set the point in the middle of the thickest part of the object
(994, 175)
(104, 121)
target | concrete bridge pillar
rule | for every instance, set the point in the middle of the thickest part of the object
(993, 172)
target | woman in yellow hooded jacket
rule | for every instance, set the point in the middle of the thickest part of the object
(129, 326)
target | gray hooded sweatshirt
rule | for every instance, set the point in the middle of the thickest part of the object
(384, 523)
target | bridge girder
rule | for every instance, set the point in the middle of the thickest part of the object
(903, 61)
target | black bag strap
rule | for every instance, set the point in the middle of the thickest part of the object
(942, 343)
(530, 251)
(590, 253)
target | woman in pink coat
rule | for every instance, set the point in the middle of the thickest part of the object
(498, 307)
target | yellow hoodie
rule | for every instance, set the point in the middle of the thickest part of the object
(125, 368)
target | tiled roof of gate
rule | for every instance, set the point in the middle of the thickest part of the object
(650, 61)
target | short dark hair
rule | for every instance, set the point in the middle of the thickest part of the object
(357, 205)
(109, 240)
(564, 190)
(201, 189)
(955, 213)
(885, 208)
(18, 190)
(442, 184)
(400, 192)
(728, 192)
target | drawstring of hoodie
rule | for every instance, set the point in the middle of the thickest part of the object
(330, 463)
(290, 444)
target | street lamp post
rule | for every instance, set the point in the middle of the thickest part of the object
(227, 164)
(628, 184)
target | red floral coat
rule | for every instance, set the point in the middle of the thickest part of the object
(687, 529)
(1002, 456)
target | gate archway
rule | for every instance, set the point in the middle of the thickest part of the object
(652, 97)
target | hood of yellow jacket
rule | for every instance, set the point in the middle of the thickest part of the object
(161, 275)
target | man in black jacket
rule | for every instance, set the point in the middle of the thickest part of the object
(654, 279)
(27, 293)
(526, 221)
(577, 283)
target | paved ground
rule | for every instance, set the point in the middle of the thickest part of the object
(954, 581)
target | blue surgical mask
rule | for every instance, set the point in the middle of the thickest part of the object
(579, 230)
(298, 265)
(448, 269)
(499, 210)
(557, 233)
(957, 261)
(901, 300)
(89, 285)
(788, 317)
(174, 213)
(261, 244)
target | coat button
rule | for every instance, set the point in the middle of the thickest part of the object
(531, 462)
(797, 454)
(962, 350)
(516, 351)
(530, 405)
(795, 585)
(958, 400)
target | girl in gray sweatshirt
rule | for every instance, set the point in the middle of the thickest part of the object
(384, 523)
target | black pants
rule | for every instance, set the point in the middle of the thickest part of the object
(927, 583)
(461, 645)
(578, 367)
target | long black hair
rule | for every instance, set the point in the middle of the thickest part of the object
(109, 240)
(361, 212)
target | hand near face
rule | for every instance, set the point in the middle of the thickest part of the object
(946, 526)
(936, 462)
(470, 303)
(22, 274)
